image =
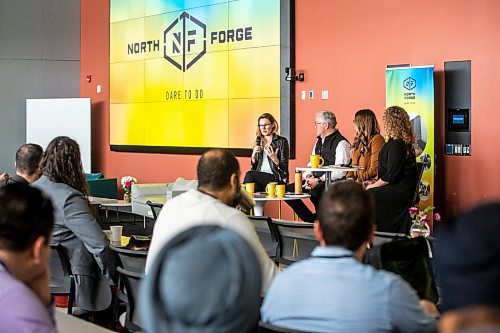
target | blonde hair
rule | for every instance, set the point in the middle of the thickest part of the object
(397, 125)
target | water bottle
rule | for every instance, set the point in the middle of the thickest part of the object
(298, 182)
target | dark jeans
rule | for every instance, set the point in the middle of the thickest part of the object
(261, 179)
(300, 208)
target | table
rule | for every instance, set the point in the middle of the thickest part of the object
(68, 323)
(261, 199)
(327, 168)
(118, 205)
(100, 201)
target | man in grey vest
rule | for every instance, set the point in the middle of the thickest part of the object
(334, 148)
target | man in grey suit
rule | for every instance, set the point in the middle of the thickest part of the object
(28, 158)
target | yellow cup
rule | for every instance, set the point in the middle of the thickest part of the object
(280, 190)
(271, 189)
(315, 161)
(250, 188)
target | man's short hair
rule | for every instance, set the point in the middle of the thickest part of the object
(346, 215)
(329, 118)
(25, 214)
(215, 168)
(28, 158)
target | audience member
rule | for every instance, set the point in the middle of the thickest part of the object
(334, 148)
(75, 228)
(332, 291)
(26, 222)
(269, 156)
(218, 192)
(28, 158)
(172, 297)
(467, 261)
(4, 176)
(366, 147)
(397, 169)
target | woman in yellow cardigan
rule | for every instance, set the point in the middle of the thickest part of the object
(367, 145)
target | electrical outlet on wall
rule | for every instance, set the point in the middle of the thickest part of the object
(303, 95)
(324, 94)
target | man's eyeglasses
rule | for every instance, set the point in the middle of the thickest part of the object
(264, 125)
(316, 124)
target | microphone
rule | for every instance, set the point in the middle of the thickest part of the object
(258, 140)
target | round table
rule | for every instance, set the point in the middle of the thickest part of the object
(261, 199)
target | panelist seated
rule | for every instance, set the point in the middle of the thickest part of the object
(270, 155)
(394, 190)
(332, 291)
(366, 147)
(334, 148)
(75, 227)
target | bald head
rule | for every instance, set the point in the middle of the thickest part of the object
(215, 169)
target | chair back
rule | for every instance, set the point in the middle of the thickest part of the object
(131, 260)
(384, 237)
(155, 208)
(130, 280)
(268, 328)
(266, 237)
(62, 280)
(296, 240)
(409, 258)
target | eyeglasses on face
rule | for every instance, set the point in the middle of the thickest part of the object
(265, 125)
(316, 124)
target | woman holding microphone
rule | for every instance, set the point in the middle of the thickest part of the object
(269, 156)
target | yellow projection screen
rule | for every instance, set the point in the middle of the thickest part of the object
(189, 75)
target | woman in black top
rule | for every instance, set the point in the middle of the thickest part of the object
(393, 191)
(269, 156)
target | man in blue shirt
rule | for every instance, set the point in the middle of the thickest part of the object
(26, 223)
(332, 291)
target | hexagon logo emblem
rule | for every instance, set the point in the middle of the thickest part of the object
(409, 83)
(185, 41)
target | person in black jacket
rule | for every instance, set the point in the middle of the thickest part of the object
(397, 170)
(28, 158)
(269, 156)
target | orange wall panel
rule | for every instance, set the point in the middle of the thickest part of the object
(344, 46)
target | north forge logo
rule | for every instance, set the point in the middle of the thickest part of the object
(409, 83)
(186, 38)
(185, 41)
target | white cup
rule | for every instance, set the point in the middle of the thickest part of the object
(108, 234)
(116, 234)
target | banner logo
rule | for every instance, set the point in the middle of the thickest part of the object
(409, 83)
(185, 41)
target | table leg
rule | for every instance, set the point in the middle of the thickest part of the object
(258, 209)
(328, 179)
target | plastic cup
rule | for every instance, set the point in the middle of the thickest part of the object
(116, 234)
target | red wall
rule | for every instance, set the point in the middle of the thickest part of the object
(344, 46)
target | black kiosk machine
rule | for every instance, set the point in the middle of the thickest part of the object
(457, 80)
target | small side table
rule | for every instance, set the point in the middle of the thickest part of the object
(261, 199)
(118, 206)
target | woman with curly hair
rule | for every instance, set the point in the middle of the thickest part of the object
(75, 227)
(366, 147)
(397, 169)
